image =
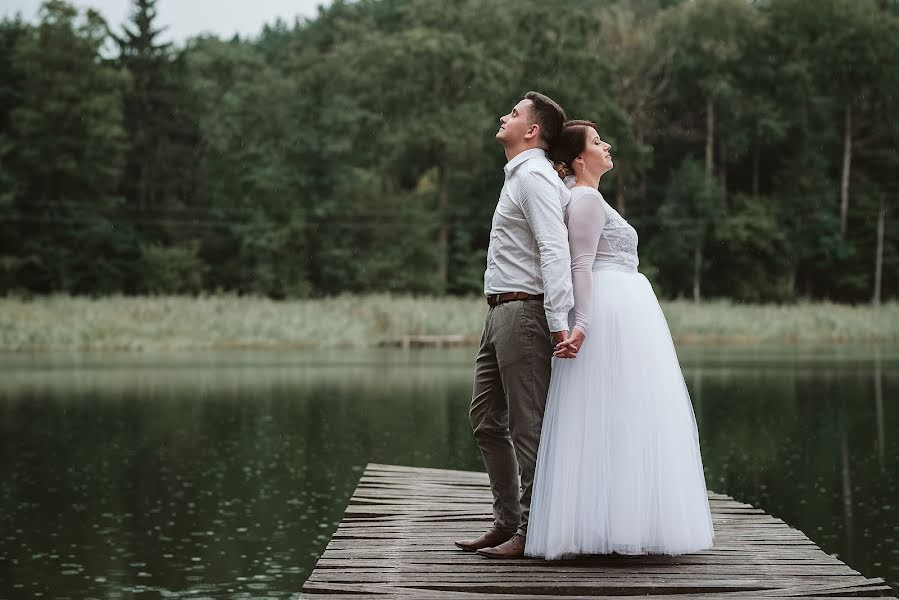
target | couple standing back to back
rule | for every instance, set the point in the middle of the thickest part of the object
(579, 406)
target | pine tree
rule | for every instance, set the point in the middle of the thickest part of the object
(159, 115)
(160, 118)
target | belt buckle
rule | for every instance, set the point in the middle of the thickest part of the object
(493, 299)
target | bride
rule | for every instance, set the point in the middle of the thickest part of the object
(618, 467)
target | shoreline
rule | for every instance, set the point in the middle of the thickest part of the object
(471, 343)
(228, 322)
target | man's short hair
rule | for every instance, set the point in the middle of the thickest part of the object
(548, 115)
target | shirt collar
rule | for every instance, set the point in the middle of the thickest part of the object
(521, 158)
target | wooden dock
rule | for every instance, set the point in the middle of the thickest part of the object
(396, 541)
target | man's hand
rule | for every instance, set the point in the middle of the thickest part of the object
(569, 347)
(559, 337)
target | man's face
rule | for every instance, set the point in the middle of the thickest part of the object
(516, 124)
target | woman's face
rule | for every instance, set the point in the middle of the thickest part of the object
(596, 156)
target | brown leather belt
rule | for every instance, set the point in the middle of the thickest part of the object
(494, 299)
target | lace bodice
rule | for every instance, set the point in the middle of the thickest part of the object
(617, 241)
(598, 238)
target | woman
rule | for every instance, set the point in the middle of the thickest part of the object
(618, 468)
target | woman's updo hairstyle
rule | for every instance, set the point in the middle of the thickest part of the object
(568, 145)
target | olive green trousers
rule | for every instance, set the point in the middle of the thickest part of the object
(511, 380)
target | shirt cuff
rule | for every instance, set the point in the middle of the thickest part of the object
(557, 321)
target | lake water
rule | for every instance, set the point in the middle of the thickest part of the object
(223, 475)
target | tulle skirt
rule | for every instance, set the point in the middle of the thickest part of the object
(618, 466)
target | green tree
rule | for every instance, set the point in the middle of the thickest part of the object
(160, 120)
(11, 81)
(710, 41)
(851, 67)
(11, 31)
(171, 270)
(355, 151)
(65, 154)
(831, 76)
(450, 77)
(253, 207)
(686, 217)
(752, 259)
(640, 87)
(145, 103)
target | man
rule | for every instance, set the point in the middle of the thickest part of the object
(528, 288)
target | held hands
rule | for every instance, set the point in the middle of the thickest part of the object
(568, 346)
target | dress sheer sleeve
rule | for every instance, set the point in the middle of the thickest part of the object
(586, 219)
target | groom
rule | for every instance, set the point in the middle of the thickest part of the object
(528, 289)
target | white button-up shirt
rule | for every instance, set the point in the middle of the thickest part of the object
(528, 249)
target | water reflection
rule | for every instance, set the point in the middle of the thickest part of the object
(224, 475)
(808, 444)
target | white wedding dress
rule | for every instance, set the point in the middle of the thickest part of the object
(618, 467)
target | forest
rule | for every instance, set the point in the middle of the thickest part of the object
(756, 146)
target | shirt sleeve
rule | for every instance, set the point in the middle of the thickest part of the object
(542, 207)
(586, 219)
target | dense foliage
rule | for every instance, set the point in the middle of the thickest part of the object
(755, 145)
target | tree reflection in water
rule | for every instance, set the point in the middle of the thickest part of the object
(226, 473)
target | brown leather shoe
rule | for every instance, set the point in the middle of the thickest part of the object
(493, 537)
(514, 548)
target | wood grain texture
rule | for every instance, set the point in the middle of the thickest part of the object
(396, 541)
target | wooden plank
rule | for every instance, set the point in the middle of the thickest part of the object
(396, 541)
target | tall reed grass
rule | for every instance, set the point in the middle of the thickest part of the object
(226, 321)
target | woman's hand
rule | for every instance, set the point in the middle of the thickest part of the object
(568, 348)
